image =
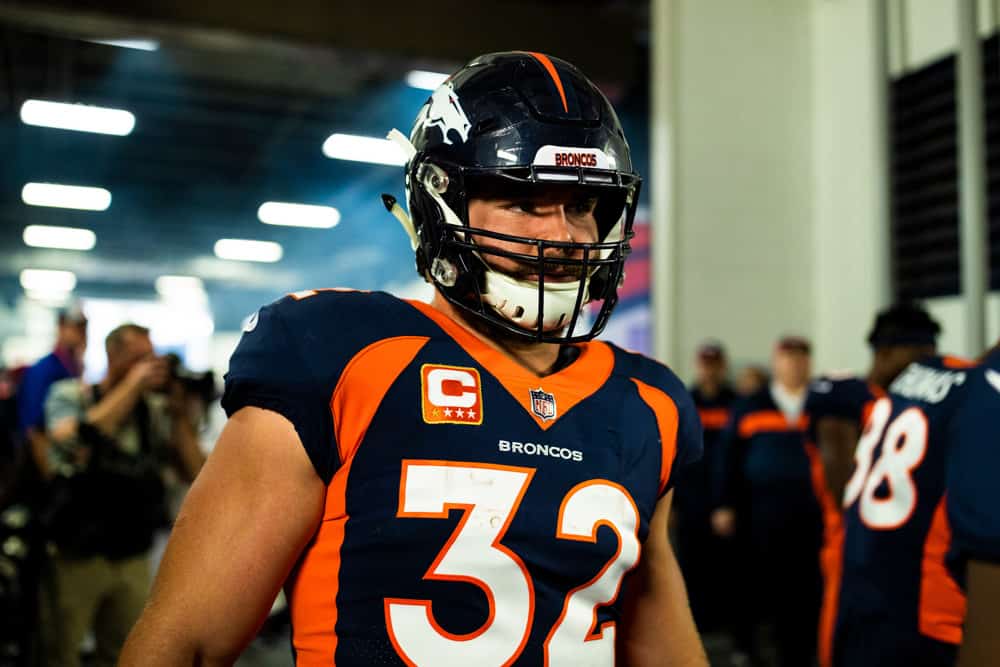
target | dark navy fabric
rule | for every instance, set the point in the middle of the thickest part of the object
(888, 565)
(291, 362)
(974, 469)
(843, 398)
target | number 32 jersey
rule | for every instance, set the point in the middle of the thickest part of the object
(922, 501)
(475, 513)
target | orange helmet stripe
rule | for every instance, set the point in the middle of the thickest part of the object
(551, 69)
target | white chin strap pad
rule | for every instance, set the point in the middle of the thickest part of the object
(517, 301)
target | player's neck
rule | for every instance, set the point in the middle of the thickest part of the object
(539, 358)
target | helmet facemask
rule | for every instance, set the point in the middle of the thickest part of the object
(544, 297)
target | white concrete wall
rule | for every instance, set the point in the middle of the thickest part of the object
(776, 204)
(743, 174)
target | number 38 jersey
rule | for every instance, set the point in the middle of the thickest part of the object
(475, 514)
(921, 502)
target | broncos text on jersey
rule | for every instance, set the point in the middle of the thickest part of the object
(476, 514)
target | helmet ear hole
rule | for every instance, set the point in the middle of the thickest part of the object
(433, 177)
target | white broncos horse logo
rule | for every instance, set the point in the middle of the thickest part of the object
(444, 111)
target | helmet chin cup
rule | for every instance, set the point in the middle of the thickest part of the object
(517, 301)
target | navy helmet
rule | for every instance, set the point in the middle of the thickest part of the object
(516, 123)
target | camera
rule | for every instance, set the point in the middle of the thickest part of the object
(201, 385)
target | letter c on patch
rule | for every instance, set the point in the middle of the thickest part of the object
(437, 395)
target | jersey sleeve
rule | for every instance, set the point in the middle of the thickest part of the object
(271, 370)
(973, 491)
(675, 410)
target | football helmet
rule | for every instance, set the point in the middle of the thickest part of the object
(519, 122)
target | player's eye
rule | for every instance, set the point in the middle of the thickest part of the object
(582, 206)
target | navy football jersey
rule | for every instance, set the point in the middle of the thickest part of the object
(850, 399)
(476, 514)
(917, 503)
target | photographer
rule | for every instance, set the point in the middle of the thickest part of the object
(113, 445)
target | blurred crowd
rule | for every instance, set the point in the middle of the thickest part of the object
(87, 473)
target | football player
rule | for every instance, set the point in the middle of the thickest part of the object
(838, 408)
(473, 481)
(922, 523)
(767, 502)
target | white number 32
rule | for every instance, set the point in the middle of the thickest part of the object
(490, 495)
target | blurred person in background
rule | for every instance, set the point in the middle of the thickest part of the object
(484, 435)
(702, 554)
(112, 444)
(838, 407)
(750, 380)
(767, 499)
(65, 361)
(920, 583)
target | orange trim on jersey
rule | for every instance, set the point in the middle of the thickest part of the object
(769, 420)
(551, 69)
(363, 384)
(667, 421)
(313, 587)
(569, 386)
(956, 362)
(831, 554)
(942, 602)
(713, 418)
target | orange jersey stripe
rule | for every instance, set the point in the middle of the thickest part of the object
(571, 385)
(314, 585)
(942, 602)
(667, 420)
(551, 69)
(831, 555)
(769, 420)
(713, 418)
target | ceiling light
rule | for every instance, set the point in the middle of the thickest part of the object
(62, 238)
(66, 196)
(298, 215)
(43, 280)
(425, 80)
(140, 44)
(174, 284)
(363, 149)
(79, 117)
(248, 251)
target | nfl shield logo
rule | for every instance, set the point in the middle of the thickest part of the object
(543, 403)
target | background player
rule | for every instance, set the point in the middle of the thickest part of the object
(704, 557)
(838, 408)
(364, 427)
(921, 520)
(768, 502)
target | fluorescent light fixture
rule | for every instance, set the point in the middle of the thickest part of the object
(62, 238)
(43, 280)
(298, 215)
(248, 251)
(49, 298)
(140, 44)
(66, 196)
(177, 284)
(425, 80)
(79, 117)
(363, 149)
